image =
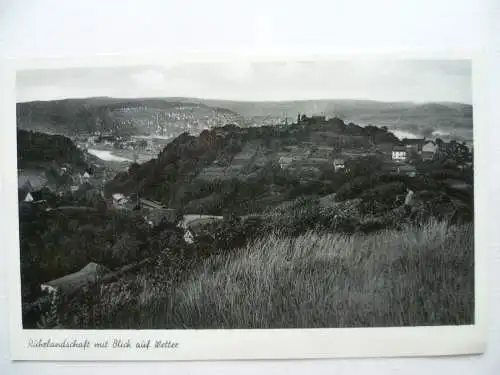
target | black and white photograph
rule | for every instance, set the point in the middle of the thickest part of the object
(287, 194)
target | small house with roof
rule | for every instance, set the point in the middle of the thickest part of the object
(86, 177)
(155, 213)
(285, 161)
(119, 200)
(338, 164)
(399, 153)
(188, 236)
(68, 284)
(24, 196)
(160, 216)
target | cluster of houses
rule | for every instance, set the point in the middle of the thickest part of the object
(34, 187)
(396, 157)
(117, 142)
(155, 214)
(426, 149)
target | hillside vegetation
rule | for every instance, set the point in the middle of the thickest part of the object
(39, 148)
(423, 275)
(120, 116)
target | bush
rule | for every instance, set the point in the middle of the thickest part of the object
(354, 188)
(384, 193)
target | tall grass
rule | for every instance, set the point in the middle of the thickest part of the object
(423, 275)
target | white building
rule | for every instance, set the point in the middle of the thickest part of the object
(399, 153)
(119, 200)
(188, 237)
(285, 161)
(338, 164)
(85, 177)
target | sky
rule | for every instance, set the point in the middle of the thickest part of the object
(382, 80)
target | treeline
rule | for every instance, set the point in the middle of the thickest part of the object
(34, 147)
(177, 165)
(374, 134)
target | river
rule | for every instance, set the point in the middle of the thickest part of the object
(107, 155)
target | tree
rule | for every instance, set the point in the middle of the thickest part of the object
(134, 167)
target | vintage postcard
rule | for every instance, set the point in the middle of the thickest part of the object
(245, 209)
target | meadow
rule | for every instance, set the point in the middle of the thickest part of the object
(423, 275)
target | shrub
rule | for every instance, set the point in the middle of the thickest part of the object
(385, 193)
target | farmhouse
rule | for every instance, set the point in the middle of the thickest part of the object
(75, 281)
(285, 161)
(338, 164)
(188, 236)
(399, 153)
(119, 200)
(159, 216)
(25, 196)
(155, 213)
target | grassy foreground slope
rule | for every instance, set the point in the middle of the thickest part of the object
(421, 276)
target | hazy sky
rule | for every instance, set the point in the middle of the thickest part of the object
(396, 80)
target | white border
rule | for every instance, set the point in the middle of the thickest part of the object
(249, 344)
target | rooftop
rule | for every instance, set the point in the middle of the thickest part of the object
(74, 281)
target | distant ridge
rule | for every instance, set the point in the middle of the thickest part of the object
(73, 116)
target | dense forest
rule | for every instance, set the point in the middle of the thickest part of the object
(36, 148)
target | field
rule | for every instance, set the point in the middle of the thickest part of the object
(423, 275)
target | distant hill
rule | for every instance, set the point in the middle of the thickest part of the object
(421, 119)
(121, 116)
(172, 116)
